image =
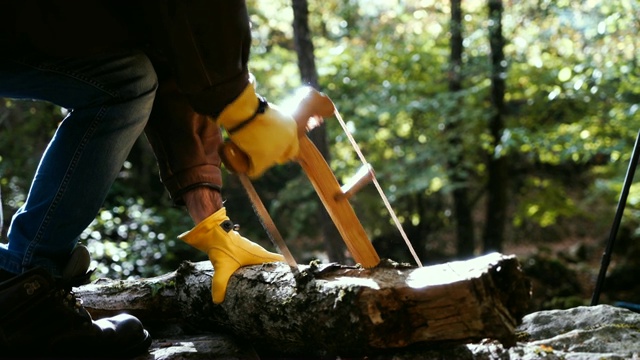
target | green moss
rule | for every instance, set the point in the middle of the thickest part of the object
(626, 326)
(522, 336)
(157, 287)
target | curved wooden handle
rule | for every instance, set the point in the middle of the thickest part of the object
(312, 107)
(338, 207)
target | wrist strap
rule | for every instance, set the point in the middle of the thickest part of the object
(262, 107)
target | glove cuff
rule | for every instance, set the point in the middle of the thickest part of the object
(262, 107)
(243, 109)
(197, 237)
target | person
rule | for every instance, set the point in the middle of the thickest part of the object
(173, 70)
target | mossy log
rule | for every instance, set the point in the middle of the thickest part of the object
(330, 309)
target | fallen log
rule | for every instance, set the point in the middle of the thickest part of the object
(330, 309)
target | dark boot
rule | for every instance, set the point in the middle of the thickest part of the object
(40, 316)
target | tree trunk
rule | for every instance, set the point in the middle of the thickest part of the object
(309, 75)
(462, 209)
(497, 165)
(332, 309)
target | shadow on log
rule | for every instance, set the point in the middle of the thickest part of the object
(329, 309)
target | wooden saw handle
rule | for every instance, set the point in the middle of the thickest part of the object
(314, 106)
(339, 208)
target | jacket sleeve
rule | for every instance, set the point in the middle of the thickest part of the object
(184, 142)
(207, 44)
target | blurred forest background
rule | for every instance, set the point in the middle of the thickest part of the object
(491, 125)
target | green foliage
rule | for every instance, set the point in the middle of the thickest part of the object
(26, 127)
(572, 101)
(573, 93)
(135, 239)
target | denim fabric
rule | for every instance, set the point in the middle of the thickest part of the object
(109, 98)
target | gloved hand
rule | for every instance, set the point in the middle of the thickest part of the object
(227, 249)
(262, 131)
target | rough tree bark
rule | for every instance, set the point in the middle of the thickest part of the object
(493, 236)
(331, 309)
(462, 208)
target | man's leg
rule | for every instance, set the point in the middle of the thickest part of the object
(109, 98)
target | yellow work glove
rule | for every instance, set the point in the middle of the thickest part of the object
(262, 131)
(227, 249)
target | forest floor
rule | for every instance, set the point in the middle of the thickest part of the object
(564, 273)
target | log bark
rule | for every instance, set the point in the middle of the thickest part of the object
(329, 309)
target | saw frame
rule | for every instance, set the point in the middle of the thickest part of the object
(311, 107)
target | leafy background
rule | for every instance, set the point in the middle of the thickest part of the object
(572, 115)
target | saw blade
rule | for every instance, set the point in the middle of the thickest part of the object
(267, 221)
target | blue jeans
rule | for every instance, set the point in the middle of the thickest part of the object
(109, 98)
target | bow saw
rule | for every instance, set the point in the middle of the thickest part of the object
(309, 112)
